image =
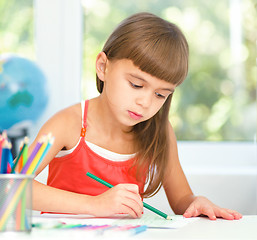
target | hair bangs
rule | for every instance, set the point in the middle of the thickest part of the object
(153, 58)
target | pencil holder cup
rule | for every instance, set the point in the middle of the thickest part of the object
(15, 202)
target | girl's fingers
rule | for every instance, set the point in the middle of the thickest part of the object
(128, 200)
(134, 202)
(229, 214)
(127, 210)
(204, 206)
(210, 213)
(130, 187)
(122, 198)
(130, 191)
(133, 193)
(190, 212)
(132, 208)
(225, 214)
(236, 215)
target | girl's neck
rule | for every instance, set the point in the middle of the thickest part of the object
(106, 131)
(106, 118)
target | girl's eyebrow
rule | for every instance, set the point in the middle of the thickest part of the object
(142, 79)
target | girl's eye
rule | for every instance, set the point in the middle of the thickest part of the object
(159, 95)
(135, 86)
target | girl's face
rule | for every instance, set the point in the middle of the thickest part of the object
(133, 95)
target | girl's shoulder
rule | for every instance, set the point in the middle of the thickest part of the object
(70, 114)
(65, 126)
(67, 121)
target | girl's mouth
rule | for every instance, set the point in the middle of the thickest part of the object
(134, 115)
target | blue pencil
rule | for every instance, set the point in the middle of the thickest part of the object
(137, 230)
(5, 157)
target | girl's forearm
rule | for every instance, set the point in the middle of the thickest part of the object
(49, 199)
(183, 204)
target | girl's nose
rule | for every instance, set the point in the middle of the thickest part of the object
(145, 100)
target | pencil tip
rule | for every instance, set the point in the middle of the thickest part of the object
(6, 144)
(168, 217)
(4, 134)
(42, 139)
(51, 141)
(26, 140)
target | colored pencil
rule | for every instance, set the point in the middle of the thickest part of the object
(138, 229)
(10, 159)
(23, 217)
(5, 157)
(1, 144)
(158, 212)
(3, 139)
(31, 157)
(20, 155)
(18, 216)
(103, 230)
(25, 154)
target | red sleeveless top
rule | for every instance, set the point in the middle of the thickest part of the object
(69, 172)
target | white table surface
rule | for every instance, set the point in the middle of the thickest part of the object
(203, 228)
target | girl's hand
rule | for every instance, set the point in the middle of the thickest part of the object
(202, 205)
(121, 199)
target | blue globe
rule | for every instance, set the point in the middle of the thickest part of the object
(23, 91)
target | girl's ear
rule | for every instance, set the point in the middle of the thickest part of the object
(101, 60)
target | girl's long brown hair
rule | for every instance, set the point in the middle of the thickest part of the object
(159, 48)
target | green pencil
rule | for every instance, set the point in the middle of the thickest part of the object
(20, 153)
(160, 213)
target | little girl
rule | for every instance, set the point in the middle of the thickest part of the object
(123, 136)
